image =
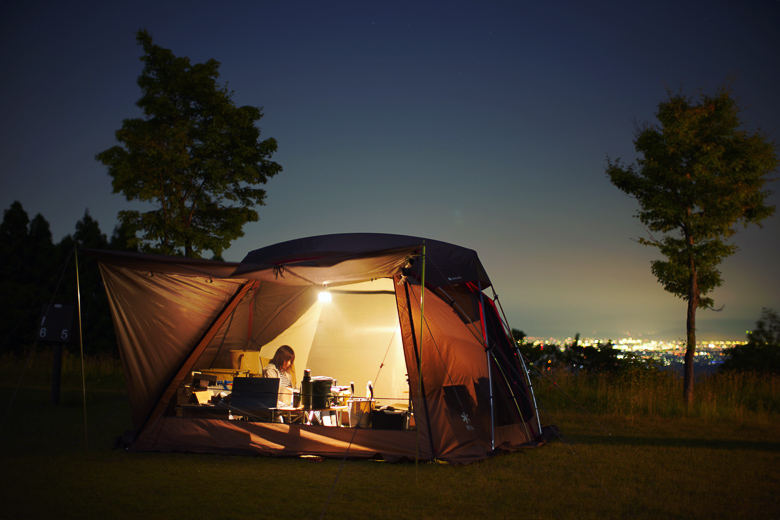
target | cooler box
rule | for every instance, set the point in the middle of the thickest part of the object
(388, 419)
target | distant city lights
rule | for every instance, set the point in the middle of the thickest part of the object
(665, 352)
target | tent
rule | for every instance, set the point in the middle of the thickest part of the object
(407, 314)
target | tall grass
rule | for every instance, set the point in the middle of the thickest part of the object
(737, 396)
(101, 374)
(637, 393)
(710, 471)
(55, 467)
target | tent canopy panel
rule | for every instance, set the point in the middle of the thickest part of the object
(158, 317)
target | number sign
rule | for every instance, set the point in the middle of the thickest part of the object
(57, 322)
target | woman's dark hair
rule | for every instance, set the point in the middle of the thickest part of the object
(282, 356)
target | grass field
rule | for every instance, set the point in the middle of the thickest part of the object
(639, 463)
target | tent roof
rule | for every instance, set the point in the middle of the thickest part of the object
(326, 260)
(165, 264)
(348, 257)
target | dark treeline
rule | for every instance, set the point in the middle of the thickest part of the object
(761, 353)
(36, 271)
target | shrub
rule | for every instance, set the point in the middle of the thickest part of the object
(761, 354)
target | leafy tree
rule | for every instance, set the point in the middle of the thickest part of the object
(540, 355)
(604, 358)
(699, 175)
(519, 336)
(35, 272)
(601, 358)
(26, 274)
(122, 239)
(767, 331)
(195, 156)
(762, 351)
(14, 240)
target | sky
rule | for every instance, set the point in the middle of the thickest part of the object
(483, 124)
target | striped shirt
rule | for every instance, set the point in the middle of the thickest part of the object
(271, 370)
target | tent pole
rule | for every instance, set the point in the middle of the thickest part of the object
(490, 372)
(419, 362)
(81, 346)
(492, 417)
(522, 360)
(423, 404)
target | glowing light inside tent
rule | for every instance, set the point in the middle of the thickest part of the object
(325, 296)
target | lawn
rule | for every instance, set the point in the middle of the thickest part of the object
(606, 465)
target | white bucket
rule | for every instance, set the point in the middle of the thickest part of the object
(360, 412)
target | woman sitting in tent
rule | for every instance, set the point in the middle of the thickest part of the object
(280, 367)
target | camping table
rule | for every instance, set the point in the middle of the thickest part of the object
(301, 415)
(202, 410)
(338, 411)
(288, 414)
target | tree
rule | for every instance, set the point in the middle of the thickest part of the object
(604, 358)
(540, 355)
(519, 336)
(122, 239)
(195, 155)
(699, 175)
(761, 353)
(26, 275)
(35, 272)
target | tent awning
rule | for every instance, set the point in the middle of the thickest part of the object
(326, 260)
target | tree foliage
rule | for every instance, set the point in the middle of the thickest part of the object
(195, 156)
(29, 256)
(35, 271)
(698, 176)
(761, 353)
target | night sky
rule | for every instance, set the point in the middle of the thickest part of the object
(484, 124)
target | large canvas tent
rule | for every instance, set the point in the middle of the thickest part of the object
(408, 314)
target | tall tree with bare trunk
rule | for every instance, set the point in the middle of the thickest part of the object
(698, 176)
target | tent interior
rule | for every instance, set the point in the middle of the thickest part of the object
(353, 337)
